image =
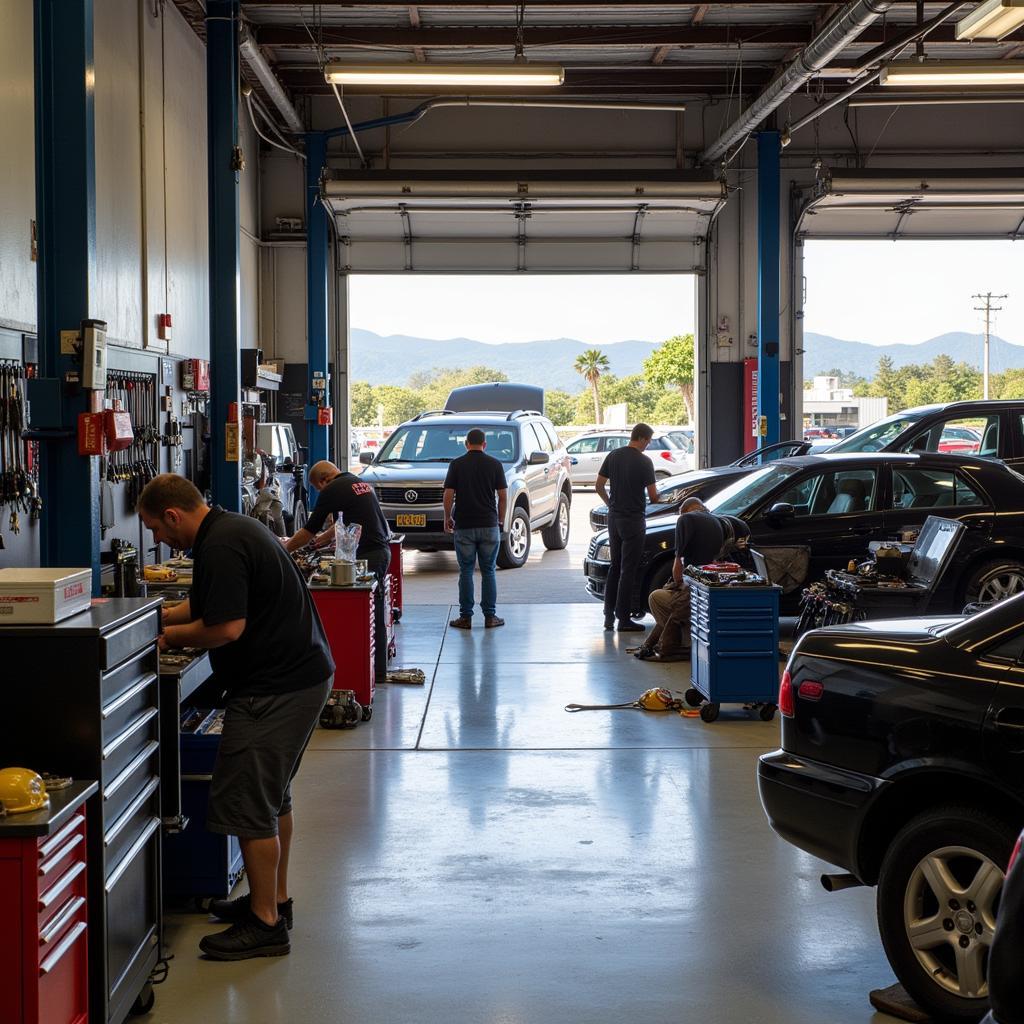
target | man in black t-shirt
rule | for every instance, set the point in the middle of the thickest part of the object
(475, 496)
(343, 493)
(632, 478)
(249, 606)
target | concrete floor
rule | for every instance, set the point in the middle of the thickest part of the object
(476, 854)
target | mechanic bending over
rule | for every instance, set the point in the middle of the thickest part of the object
(341, 492)
(250, 607)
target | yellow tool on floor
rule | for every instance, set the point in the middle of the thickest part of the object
(658, 699)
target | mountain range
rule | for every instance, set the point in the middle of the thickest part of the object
(394, 359)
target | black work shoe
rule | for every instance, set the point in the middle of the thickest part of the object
(492, 622)
(248, 938)
(629, 626)
(238, 909)
(609, 625)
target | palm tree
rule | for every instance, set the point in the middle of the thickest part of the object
(591, 364)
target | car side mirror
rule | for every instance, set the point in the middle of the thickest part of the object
(539, 458)
(781, 513)
(366, 458)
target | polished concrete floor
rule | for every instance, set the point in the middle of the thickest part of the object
(476, 854)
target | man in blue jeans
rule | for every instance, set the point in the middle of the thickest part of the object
(475, 495)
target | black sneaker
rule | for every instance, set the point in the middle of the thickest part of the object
(629, 626)
(246, 939)
(238, 909)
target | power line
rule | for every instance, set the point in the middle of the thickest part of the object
(988, 309)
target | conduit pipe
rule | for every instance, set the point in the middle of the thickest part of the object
(250, 53)
(842, 30)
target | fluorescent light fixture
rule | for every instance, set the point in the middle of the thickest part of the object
(993, 19)
(523, 74)
(953, 72)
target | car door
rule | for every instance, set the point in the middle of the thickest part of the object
(1004, 723)
(921, 490)
(542, 480)
(980, 431)
(838, 512)
(585, 458)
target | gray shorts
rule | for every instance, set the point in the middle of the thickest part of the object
(260, 751)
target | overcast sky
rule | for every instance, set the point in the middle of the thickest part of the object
(878, 292)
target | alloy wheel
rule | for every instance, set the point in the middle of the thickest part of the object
(563, 521)
(1001, 584)
(517, 539)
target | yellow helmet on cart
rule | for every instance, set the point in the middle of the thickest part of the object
(21, 790)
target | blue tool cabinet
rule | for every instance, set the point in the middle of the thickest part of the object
(734, 659)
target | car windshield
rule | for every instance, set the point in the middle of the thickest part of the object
(437, 442)
(748, 491)
(877, 436)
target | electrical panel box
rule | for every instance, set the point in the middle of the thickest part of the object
(94, 355)
(195, 375)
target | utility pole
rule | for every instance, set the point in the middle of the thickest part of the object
(988, 309)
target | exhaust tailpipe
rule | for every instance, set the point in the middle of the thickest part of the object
(836, 883)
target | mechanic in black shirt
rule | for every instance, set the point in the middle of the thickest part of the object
(343, 493)
(632, 478)
(249, 606)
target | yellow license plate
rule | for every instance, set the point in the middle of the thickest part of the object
(410, 520)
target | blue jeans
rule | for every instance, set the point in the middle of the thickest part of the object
(478, 544)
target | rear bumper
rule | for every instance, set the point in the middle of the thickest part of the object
(816, 807)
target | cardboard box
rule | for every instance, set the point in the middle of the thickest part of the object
(43, 595)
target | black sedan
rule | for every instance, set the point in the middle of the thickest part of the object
(816, 512)
(902, 762)
(1006, 979)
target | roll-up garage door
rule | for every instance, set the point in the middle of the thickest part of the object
(916, 204)
(541, 223)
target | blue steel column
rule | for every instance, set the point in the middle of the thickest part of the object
(222, 22)
(316, 293)
(768, 256)
(66, 222)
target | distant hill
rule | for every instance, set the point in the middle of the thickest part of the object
(392, 360)
(822, 353)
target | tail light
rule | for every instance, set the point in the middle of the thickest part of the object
(667, 456)
(810, 690)
(1016, 853)
(786, 704)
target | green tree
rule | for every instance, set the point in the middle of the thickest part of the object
(1008, 384)
(400, 404)
(671, 365)
(590, 365)
(435, 385)
(670, 409)
(362, 405)
(560, 407)
(635, 391)
(887, 383)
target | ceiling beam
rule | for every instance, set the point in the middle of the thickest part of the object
(414, 22)
(698, 15)
(660, 54)
(541, 4)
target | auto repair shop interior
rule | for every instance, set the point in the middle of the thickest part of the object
(187, 189)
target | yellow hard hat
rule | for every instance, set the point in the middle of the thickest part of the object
(21, 789)
(656, 700)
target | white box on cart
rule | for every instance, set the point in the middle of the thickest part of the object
(43, 595)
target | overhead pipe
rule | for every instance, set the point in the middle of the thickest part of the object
(250, 53)
(842, 30)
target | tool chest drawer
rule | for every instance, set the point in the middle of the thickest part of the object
(118, 680)
(121, 643)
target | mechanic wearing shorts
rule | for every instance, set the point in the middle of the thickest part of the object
(249, 606)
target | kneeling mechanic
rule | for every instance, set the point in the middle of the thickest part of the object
(250, 607)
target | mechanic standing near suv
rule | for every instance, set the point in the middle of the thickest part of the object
(473, 481)
(630, 473)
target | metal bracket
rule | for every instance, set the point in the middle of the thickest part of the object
(406, 234)
(522, 214)
(638, 223)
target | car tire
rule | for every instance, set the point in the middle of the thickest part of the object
(556, 535)
(661, 476)
(656, 580)
(993, 581)
(515, 544)
(929, 874)
(299, 516)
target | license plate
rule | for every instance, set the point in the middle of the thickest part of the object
(410, 520)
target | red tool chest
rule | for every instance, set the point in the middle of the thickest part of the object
(395, 572)
(347, 615)
(44, 976)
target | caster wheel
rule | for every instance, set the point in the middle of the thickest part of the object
(397, 615)
(709, 712)
(143, 1001)
(693, 697)
(766, 712)
(367, 713)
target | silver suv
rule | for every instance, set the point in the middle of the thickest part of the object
(408, 473)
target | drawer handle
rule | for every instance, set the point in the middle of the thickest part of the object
(48, 865)
(60, 919)
(58, 954)
(118, 702)
(50, 896)
(154, 824)
(55, 841)
(135, 725)
(133, 807)
(144, 755)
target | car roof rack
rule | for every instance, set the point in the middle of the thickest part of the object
(523, 412)
(433, 412)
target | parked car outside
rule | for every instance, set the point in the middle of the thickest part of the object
(832, 506)
(702, 483)
(408, 473)
(278, 441)
(816, 433)
(900, 762)
(588, 451)
(683, 438)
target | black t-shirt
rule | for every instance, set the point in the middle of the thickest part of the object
(356, 501)
(241, 571)
(699, 537)
(630, 473)
(475, 478)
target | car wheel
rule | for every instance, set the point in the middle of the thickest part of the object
(556, 535)
(993, 581)
(515, 545)
(655, 581)
(662, 476)
(938, 893)
(299, 516)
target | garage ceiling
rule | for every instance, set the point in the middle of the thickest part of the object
(916, 205)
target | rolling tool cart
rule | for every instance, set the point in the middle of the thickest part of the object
(347, 615)
(734, 635)
(395, 571)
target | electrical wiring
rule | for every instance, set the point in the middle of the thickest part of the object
(351, 131)
(266, 138)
